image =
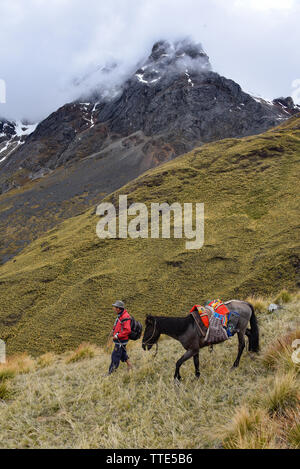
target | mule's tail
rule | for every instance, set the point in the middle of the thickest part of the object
(254, 332)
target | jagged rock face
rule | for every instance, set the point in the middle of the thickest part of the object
(7, 130)
(286, 105)
(52, 136)
(168, 60)
(12, 135)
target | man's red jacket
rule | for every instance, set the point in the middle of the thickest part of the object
(122, 327)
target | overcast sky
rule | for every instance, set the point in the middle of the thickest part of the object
(46, 44)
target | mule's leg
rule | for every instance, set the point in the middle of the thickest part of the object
(241, 337)
(188, 354)
(196, 363)
(248, 334)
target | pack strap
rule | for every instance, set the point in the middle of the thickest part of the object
(193, 313)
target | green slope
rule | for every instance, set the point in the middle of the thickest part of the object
(58, 291)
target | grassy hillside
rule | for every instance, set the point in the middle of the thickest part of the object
(65, 401)
(58, 292)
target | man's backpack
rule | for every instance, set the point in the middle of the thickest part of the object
(136, 328)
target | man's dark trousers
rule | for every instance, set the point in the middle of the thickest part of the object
(119, 355)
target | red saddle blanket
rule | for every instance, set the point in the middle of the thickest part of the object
(202, 313)
(217, 306)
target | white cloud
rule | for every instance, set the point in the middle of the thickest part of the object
(266, 4)
(45, 45)
(296, 90)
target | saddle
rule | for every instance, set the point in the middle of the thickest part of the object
(214, 317)
(202, 314)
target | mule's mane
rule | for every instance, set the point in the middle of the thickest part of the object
(174, 325)
(169, 317)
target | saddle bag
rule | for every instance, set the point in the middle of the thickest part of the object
(216, 332)
(233, 323)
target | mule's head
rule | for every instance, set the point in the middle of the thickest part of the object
(151, 334)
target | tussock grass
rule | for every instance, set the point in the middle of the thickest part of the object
(4, 391)
(278, 354)
(292, 428)
(259, 303)
(250, 429)
(270, 419)
(16, 364)
(283, 395)
(283, 297)
(83, 352)
(22, 363)
(6, 373)
(46, 359)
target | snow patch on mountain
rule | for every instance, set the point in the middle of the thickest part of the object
(89, 112)
(181, 57)
(24, 129)
(13, 135)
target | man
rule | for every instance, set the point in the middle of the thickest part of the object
(120, 335)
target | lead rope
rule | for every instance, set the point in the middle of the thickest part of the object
(120, 344)
(145, 343)
(111, 335)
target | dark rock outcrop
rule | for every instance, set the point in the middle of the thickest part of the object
(12, 135)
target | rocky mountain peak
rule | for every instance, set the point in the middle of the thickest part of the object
(177, 50)
(180, 56)
(287, 105)
(7, 129)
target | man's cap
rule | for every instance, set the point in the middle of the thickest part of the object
(119, 304)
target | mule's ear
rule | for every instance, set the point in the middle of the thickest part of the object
(149, 319)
